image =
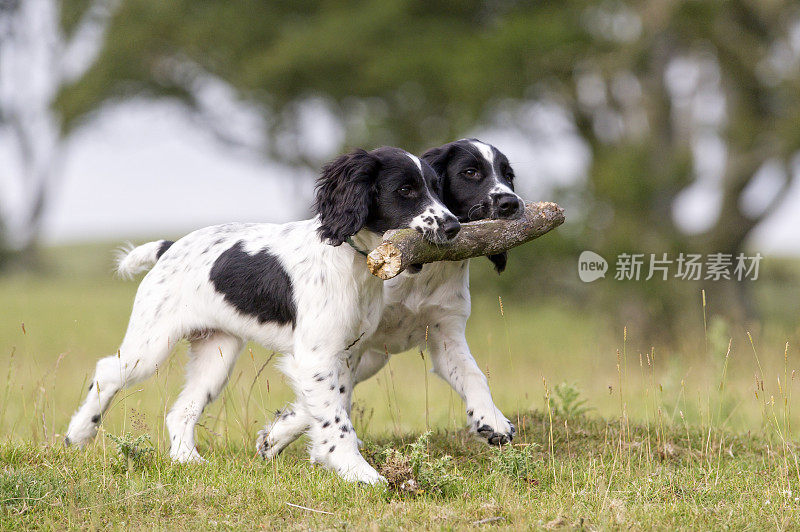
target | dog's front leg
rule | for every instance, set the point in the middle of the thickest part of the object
(453, 362)
(323, 383)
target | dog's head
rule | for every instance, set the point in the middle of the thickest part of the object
(477, 182)
(387, 188)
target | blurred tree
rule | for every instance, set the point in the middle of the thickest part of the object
(45, 45)
(676, 100)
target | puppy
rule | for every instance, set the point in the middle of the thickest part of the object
(293, 288)
(476, 182)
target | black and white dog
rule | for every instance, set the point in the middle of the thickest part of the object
(291, 287)
(477, 182)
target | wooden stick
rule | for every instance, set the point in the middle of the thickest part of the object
(405, 247)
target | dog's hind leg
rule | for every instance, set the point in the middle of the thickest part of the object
(321, 381)
(211, 359)
(291, 422)
(288, 425)
(138, 358)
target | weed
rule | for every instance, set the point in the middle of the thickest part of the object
(132, 452)
(567, 403)
(517, 462)
(417, 472)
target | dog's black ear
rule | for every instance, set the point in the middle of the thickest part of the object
(499, 261)
(438, 158)
(343, 195)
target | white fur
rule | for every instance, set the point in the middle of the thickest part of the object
(488, 154)
(416, 161)
(433, 304)
(485, 150)
(424, 310)
(132, 260)
(430, 219)
(177, 300)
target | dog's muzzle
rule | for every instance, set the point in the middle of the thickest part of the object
(506, 206)
(447, 227)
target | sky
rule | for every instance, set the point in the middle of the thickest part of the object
(147, 169)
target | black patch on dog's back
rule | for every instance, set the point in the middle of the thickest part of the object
(165, 245)
(255, 284)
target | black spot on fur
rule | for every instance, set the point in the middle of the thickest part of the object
(255, 284)
(165, 245)
(91, 386)
(326, 424)
(332, 448)
(96, 418)
(342, 389)
(338, 419)
(208, 398)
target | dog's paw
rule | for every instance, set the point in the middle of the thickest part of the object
(493, 427)
(362, 473)
(265, 447)
(186, 455)
(81, 430)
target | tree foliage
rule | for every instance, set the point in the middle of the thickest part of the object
(652, 87)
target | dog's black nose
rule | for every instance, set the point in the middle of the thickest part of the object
(451, 227)
(507, 205)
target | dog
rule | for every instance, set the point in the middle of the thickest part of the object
(431, 308)
(293, 288)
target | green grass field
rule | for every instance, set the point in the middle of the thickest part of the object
(611, 435)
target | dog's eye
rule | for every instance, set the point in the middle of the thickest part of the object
(510, 176)
(405, 191)
(471, 173)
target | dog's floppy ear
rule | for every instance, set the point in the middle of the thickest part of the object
(343, 195)
(499, 261)
(438, 159)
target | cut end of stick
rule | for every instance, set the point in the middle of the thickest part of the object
(385, 261)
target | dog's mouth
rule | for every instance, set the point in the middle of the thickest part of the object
(438, 235)
(437, 228)
(488, 210)
(496, 214)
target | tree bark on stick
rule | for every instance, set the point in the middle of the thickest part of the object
(404, 247)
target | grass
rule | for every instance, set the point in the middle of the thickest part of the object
(592, 473)
(612, 432)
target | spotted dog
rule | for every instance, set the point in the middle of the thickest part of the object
(477, 182)
(293, 288)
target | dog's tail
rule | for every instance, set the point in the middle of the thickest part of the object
(135, 259)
